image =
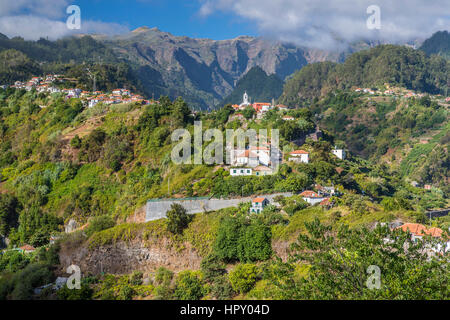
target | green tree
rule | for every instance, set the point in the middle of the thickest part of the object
(339, 261)
(255, 243)
(177, 219)
(9, 213)
(248, 112)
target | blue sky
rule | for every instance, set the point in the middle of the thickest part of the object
(180, 17)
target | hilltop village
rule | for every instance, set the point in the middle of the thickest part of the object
(55, 83)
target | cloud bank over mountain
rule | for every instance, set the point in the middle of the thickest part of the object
(327, 24)
(34, 19)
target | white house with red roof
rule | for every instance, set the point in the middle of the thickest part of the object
(299, 156)
(419, 231)
(312, 197)
(247, 158)
(258, 204)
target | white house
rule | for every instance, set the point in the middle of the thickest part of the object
(263, 154)
(74, 93)
(258, 205)
(325, 191)
(247, 158)
(419, 231)
(312, 197)
(241, 172)
(299, 156)
(340, 153)
(93, 102)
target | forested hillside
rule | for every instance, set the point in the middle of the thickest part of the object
(438, 44)
(259, 86)
(16, 66)
(395, 65)
(410, 135)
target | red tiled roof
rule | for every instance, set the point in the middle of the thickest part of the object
(299, 152)
(421, 230)
(434, 232)
(261, 199)
(309, 194)
(325, 202)
(248, 154)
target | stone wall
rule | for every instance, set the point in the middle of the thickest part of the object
(157, 209)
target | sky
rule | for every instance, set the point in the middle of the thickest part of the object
(315, 23)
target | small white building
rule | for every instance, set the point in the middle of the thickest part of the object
(235, 172)
(299, 156)
(93, 102)
(312, 197)
(247, 158)
(340, 153)
(263, 154)
(325, 191)
(74, 93)
(258, 205)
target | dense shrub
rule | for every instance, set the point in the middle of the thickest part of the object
(243, 277)
(100, 223)
(189, 286)
(246, 242)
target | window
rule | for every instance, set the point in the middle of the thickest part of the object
(234, 171)
(248, 171)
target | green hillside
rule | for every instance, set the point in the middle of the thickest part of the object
(438, 44)
(395, 65)
(259, 86)
(64, 164)
(409, 135)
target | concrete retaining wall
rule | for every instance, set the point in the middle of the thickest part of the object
(157, 209)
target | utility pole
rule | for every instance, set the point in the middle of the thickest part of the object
(168, 186)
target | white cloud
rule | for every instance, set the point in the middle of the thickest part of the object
(34, 27)
(34, 19)
(325, 23)
(44, 8)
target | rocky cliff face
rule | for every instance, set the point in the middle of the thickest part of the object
(125, 257)
(205, 71)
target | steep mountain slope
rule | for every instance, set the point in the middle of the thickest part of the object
(205, 71)
(438, 44)
(258, 85)
(16, 66)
